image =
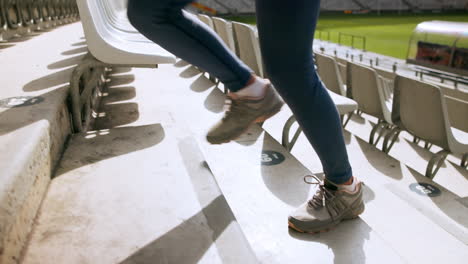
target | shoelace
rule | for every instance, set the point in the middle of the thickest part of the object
(322, 197)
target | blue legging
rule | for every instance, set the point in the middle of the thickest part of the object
(286, 31)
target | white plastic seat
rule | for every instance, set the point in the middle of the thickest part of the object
(119, 24)
(224, 29)
(207, 20)
(248, 47)
(328, 70)
(117, 13)
(421, 109)
(367, 88)
(110, 46)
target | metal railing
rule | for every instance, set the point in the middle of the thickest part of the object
(344, 39)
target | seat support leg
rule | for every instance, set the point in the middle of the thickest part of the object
(435, 163)
(464, 161)
(85, 78)
(379, 129)
(390, 139)
(347, 119)
(285, 141)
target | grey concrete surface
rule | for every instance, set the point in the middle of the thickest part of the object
(32, 135)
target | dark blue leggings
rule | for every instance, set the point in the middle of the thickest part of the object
(286, 30)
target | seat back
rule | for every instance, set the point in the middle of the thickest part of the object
(248, 47)
(207, 20)
(365, 87)
(224, 30)
(116, 12)
(329, 72)
(118, 5)
(107, 45)
(458, 113)
(420, 109)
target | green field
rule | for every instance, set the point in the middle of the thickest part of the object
(386, 34)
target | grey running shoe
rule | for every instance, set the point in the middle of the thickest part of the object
(327, 208)
(242, 113)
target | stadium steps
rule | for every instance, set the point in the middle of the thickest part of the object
(132, 189)
(34, 70)
(145, 187)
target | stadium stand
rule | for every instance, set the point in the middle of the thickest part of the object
(139, 184)
(21, 17)
(248, 6)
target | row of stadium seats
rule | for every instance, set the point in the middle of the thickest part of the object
(365, 90)
(20, 16)
(401, 103)
(248, 6)
(394, 100)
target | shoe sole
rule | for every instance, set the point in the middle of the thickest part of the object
(259, 119)
(324, 230)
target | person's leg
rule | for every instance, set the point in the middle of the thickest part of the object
(165, 23)
(286, 32)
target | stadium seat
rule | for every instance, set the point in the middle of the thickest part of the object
(207, 20)
(248, 47)
(368, 89)
(12, 14)
(109, 46)
(116, 11)
(328, 70)
(25, 7)
(3, 24)
(224, 29)
(344, 106)
(123, 29)
(422, 110)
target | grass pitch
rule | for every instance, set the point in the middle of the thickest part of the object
(386, 34)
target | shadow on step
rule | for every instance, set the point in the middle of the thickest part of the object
(380, 161)
(201, 84)
(462, 171)
(113, 112)
(181, 63)
(188, 242)
(214, 102)
(190, 72)
(65, 63)
(81, 43)
(347, 241)
(52, 80)
(80, 50)
(424, 153)
(95, 146)
(114, 115)
(233, 245)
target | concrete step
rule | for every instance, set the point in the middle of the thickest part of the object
(139, 198)
(137, 187)
(401, 172)
(140, 194)
(34, 125)
(262, 197)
